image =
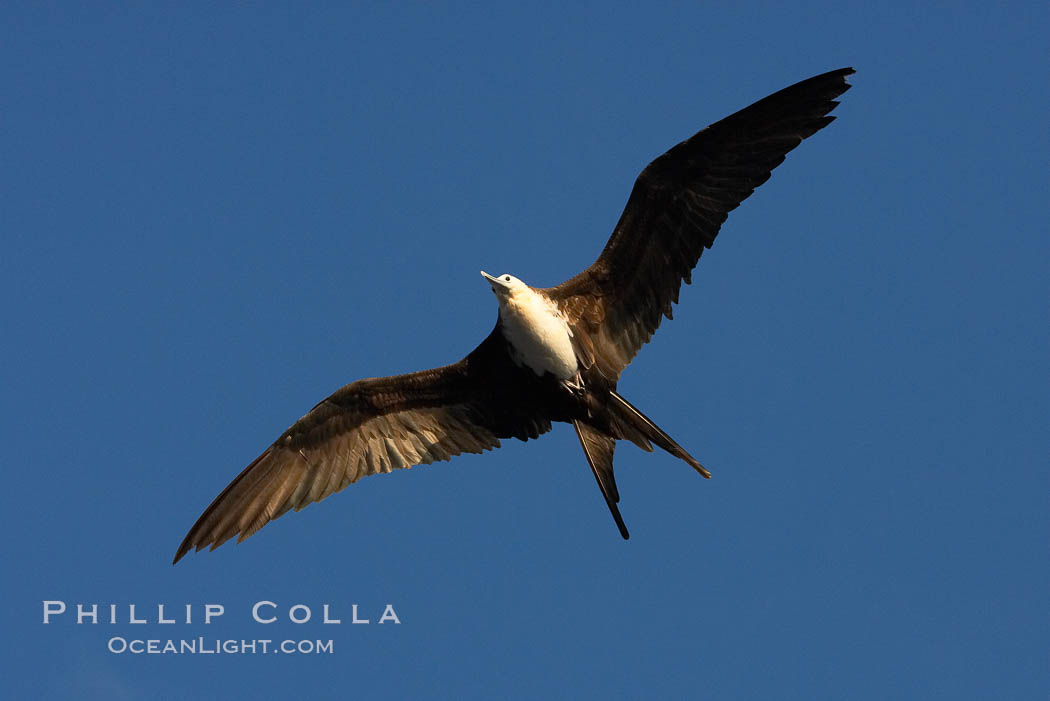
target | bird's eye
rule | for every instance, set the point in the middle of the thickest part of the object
(507, 278)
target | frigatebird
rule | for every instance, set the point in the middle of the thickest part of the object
(555, 353)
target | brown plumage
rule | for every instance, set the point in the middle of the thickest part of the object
(675, 210)
(612, 308)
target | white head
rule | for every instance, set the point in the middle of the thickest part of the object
(504, 285)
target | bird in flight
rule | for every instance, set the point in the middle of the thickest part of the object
(555, 354)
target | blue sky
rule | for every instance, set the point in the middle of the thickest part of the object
(213, 216)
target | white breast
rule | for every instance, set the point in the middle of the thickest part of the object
(539, 335)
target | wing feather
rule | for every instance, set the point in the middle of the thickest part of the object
(676, 208)
(370, 427)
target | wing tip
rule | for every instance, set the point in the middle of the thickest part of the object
(190, 544)
(844, 74)
(181, 552)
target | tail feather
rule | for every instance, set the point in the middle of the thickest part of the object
(599, 451)
(638, 424)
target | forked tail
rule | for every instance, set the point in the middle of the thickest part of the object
(624, 422)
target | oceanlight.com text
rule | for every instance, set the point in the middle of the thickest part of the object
(216, 646)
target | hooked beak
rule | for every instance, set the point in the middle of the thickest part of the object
(497, 284)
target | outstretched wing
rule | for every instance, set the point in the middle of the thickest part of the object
(675, 211)
(372, 426)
